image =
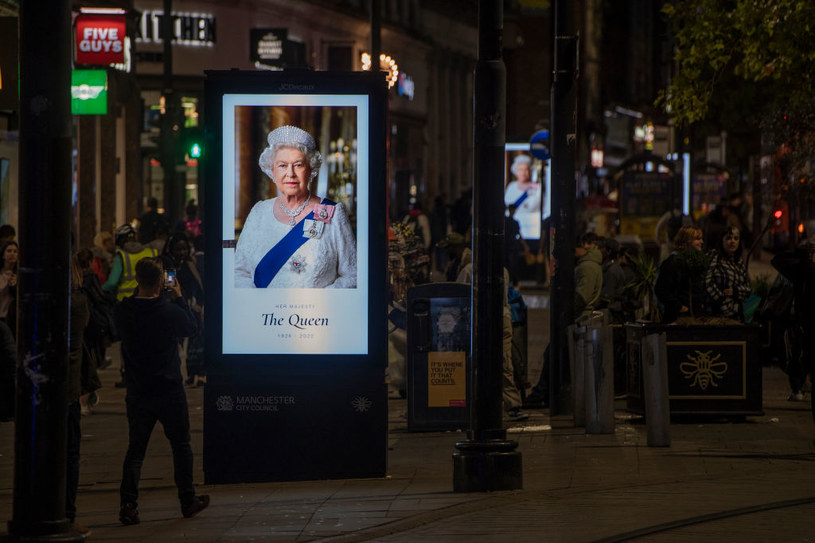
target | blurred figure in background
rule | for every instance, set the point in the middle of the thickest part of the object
(8, 285)
(439, 228)
(151, 222)
(103, 250)
(177, 256)
(7, 233)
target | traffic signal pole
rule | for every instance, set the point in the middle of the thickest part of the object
(171, 122)
(563, 234)
(486, 460)
(40, 434)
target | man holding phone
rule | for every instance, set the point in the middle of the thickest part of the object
(151, 323)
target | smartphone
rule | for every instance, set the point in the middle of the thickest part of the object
(169, 278)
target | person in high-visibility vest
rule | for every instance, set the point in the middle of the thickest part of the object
(122, 278)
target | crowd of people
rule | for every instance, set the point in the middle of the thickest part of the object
(701, 274)
(102, 277)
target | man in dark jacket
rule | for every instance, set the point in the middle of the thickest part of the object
(151, 323)
(588, 283)
(799, 268)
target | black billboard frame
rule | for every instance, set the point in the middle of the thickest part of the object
(301, 416)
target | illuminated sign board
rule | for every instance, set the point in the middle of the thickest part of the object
(296, 338)
(100, 39)
(188, 28)
(89, 92)
(268, 45)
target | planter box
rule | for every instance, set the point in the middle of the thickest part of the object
(712, 370)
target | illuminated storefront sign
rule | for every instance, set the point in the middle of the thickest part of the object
(89, 92)
(126, 65)
(188, 28)
(100, 39)
(268, 45)
(270, 48)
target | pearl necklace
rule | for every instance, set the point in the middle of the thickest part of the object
(292, 213)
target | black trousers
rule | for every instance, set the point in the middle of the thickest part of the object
(172, 412)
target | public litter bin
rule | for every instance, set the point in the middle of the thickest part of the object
(438, 346)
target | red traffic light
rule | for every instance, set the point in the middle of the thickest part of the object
(778, 213)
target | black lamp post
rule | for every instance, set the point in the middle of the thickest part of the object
(486, 460)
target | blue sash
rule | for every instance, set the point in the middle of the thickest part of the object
(272, 261)
(521, 199)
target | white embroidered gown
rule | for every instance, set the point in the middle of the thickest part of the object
(327, 262)
(528, 213)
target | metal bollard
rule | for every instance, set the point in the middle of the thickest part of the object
(599, 379)
(655, 383)
(576, 334)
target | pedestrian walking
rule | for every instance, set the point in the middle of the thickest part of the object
(798, 267)
(151, 323)
(80, 316)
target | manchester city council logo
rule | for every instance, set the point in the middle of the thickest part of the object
(224, 403)
(361, 404)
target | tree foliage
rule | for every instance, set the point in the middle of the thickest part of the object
(749, 65)
(764, 43)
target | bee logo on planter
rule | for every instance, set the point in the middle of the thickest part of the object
(704, 369)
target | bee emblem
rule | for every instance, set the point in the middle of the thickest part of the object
(704, 369)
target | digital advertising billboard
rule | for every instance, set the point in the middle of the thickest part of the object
(296, 298)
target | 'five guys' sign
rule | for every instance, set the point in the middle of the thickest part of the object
(100, 39)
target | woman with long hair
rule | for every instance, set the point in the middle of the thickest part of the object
(679, 287)
(727, 284)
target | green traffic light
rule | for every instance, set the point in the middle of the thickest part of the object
(195, 151)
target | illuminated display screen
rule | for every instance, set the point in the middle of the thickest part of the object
(527, 188)
(302, 288)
